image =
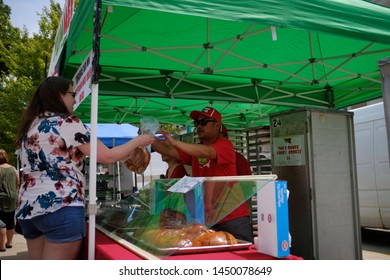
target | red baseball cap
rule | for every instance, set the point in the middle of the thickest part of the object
(208, 112)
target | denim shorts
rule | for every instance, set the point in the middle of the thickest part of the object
(64, 225)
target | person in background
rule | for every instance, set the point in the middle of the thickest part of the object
(9, 185)
(175, 168)
(3, 234)
(214, 156)
(242, 164)
(52, 144)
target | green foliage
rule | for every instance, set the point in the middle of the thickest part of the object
(173, 129)
(13, 99)
(23, 64)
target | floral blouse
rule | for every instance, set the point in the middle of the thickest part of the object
(52, 165)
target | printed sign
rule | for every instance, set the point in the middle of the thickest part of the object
(288, 150)
(82, 80)
(61, 36)
(186, 184)
(276, 122)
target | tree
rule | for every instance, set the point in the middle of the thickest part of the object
(8, 35)
(23, 64)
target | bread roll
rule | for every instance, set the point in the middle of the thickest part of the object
(194, 230)
(148, 235)
(184, 243)
(173, 219)
(168, 238)
(138, 160)
(202, 238)
(219, 238)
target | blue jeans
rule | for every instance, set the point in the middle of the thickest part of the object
(64, 225)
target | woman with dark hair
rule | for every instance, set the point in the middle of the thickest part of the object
(9, 185)
(52, 144)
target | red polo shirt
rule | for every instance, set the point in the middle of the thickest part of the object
(223, 165)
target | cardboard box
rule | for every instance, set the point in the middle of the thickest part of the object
(273, 223)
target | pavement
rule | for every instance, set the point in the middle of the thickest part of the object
(19, 251)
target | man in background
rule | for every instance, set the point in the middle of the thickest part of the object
(242, 164)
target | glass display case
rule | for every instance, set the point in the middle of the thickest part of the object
(174, 216)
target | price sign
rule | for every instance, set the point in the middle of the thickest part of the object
(288, 150)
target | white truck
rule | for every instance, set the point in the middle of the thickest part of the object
(373, 171)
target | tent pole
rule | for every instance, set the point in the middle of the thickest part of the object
(117, 177)
(92, 207)
(118, 168)
(384, 65)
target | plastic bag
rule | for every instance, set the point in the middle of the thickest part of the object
(139, 159)
(149, 125)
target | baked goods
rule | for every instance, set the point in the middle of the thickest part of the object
(202, 238)
(194, 230)
(219, 238)
(172, 231)
(168, 238)
(173, 219)
(193, 235)
(138, 160)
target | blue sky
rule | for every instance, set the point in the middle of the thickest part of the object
(24, 12)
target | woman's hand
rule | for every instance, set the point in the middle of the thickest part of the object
(145, 139)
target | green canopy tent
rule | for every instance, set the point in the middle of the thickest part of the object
(247, 59)
(165, 58)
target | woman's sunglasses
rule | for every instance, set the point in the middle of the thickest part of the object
(203, 122)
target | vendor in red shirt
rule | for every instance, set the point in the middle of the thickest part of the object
(175, 169)
(214, 156)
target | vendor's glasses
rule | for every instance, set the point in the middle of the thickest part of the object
(203, 122)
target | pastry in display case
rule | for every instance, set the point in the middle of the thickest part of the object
(164, 219)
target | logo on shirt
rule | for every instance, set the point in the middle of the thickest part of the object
(204, 162)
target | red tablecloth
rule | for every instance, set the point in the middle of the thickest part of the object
(108, 249)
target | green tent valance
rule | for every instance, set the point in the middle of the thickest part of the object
(246, 58)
